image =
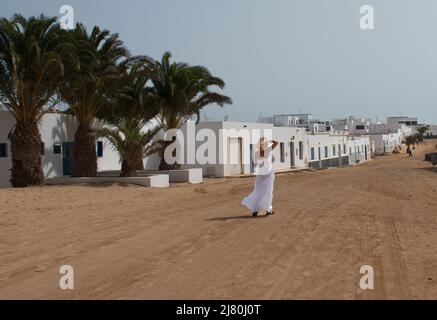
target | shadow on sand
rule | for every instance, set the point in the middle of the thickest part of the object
(245, 217)
(430, 169)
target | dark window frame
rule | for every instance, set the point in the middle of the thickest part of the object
(57, 148)
(99, 149)
(4, 150)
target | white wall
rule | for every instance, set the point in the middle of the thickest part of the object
(358, 145)
(386, 143)
(224, 130)
(6, 122)
(326, 139)
(54, 129)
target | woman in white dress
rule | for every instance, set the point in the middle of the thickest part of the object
(261, 197)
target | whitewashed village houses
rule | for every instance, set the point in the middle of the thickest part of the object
(304, 142)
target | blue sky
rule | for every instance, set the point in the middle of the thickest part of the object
(284, 56)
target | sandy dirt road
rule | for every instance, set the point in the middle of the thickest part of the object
(197, 242)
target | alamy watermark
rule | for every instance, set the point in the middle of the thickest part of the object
(223, 146)
(367, 20)
(66, 18)
(66, 282)
(367, 280)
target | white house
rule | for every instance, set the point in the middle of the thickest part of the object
(57, 135)
(360, 149)
(432, 132)
(235, 144)
(352, 125)
(327, 149)
(386, 142)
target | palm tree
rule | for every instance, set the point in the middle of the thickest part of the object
(32, 58)
(129, 112)
(410, 140)
(101, 54)
(182, 91)
(420, 132)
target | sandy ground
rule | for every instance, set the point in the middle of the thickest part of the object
(197, 242)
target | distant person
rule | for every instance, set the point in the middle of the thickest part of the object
(409, 152)
(261, 197)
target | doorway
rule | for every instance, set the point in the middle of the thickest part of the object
(235, 156)
(67, 156)
(292, 155)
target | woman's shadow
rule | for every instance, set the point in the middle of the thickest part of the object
(245, 217)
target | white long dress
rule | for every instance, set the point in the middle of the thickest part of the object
(261, 197)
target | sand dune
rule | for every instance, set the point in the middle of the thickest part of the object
(197, 242)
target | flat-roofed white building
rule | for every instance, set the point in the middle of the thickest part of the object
(360, 149)
(432, 132)
(386, 142)
(327, 149)
(408, 121)
(236, 143)
(57, 134)
(352, 125)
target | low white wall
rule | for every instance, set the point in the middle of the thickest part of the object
(154, 181)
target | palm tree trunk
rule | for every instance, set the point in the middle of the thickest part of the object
(84, 162)
(126, 169)
(26, 155)
(139, 164)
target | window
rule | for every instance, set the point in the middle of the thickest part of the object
(99, 149)
(328, 128)
(282, 149)
(300, 150)
(326, 151)
(3, 150)
(359, 127)
(344, 149)
(350, 150)
(43, 148)
(333, 150)
(312, 154)
(57, 149)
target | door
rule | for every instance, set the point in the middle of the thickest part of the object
(320, 157)
(252, 165)
(365, 150)
(67, 156)
(235, 156)
(292, 155)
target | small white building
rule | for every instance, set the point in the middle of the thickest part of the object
(57, 134)
(352, 125)
(408, 121)
(432, 132)
(386, 142)
(327, 149)
(236, 144)
(360, 149)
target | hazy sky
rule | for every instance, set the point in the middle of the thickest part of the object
(284, 56)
